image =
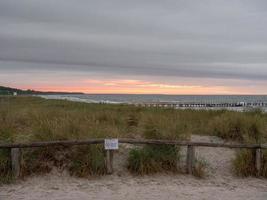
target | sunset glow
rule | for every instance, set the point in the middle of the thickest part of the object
(135, 87)
(134, 47)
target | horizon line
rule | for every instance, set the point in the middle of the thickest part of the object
(204, 94)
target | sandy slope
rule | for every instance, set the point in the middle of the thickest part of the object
(220, 183)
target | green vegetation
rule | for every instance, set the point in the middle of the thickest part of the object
(11, 91)
(200, 168)
(244, 163)
(245, 128)
(153, 158)
(5, 159)
(158, 158)
(80, 161)
(5, 166)
(264, 164)
(89, 160)
(234, 126)
(26, 119)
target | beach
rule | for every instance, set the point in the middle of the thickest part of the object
(53, 173)
(220, 182)
(138, 100)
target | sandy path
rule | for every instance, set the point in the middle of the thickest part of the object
(114, 187)
(220, 183)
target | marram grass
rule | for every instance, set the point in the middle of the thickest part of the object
(244, 163)
(27, 119)
(5, 167)
(153, 159)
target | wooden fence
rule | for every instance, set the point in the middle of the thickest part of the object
(16, 150)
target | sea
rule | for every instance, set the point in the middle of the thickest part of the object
(149, 98)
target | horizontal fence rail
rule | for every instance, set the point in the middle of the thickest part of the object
(132, 141)
(52, 143)
(16, 150)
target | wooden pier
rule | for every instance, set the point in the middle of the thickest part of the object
(202, 105)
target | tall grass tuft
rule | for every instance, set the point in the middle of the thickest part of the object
(5, 157)
(244, 163)
(156, 158)
(5, 167)
(247, 127)
(152, 159)
(87, 160)
(264, 164)
(200, 168)
(241, 127)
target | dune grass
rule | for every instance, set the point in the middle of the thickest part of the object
(153, 159)
(5, 167)
(264, 164)
(241, 127)
(89, 160)
(158, 158)
(25, 119)
(244, 163)
(200, 168)
(247, 127)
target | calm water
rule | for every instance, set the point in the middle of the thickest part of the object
(126, 98)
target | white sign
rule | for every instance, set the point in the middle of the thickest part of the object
(111, 144)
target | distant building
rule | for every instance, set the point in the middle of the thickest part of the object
(15, 93)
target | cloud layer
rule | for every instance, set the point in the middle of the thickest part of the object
(180, 40)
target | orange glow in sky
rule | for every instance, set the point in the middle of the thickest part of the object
(137, 87)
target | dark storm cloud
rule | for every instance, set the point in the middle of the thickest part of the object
(215, 39)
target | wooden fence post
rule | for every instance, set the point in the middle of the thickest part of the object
(15, 161)
(109, 161)
(190, 159)
(258, 161)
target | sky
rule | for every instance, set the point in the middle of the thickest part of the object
(140, 46)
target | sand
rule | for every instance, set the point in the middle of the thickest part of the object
(220, 183)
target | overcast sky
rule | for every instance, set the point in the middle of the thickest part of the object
(140, 46)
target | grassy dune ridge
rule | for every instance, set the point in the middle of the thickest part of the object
(24, 119)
